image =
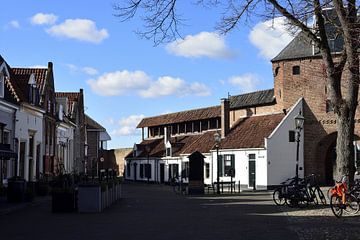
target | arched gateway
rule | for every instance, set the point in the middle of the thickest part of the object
(326, 154)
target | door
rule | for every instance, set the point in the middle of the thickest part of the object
(162, 173)
(252, 171)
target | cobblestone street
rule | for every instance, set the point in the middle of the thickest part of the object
(156, 212)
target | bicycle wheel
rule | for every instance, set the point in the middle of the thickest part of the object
(292, 201)
(336, 205)
(278, 198)
(312, 196)
(352, 205)
(321, 196)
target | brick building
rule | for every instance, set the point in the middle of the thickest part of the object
(300, 72)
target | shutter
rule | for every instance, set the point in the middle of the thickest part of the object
(220, 165)
(232, 161)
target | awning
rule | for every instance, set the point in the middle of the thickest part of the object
(7, 154)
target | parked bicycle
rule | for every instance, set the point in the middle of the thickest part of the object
(280, 193)
(342, 199)
(314, 190)
(299, 193)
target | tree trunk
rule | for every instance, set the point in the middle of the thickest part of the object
(344, 146)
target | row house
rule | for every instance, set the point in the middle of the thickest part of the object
(40, 90)
(72, 111)
(41, 132)
(8, 109)
(250, 145)
(98, 158)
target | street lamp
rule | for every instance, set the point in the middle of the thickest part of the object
(217, 138)
(299, 124)
(147, 148)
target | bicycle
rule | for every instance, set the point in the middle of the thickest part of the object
(279, 194)
(342, 200)
(315, 191)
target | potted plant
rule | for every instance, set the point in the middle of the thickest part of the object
(63, 194)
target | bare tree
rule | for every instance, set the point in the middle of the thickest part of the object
(342, 70)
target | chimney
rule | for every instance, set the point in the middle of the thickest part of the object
(225, 120)
(50, 65)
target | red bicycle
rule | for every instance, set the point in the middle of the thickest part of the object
(342, 200)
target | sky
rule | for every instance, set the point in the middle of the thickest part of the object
(125, 77)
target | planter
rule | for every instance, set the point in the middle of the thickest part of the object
(63, 201)
(16, 190)
(89, 198)
(42, 188)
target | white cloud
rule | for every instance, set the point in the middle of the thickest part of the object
(270, 37)
(43, 19)
(79, 29)
(14, 24)
(204, 44)
(127, 126)
(247, 82)
(86, 70)
(139, 83)
(90, 70)
(119, 82)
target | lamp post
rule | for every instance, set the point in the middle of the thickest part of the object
(217, 138)
(299, 124)
(147, 148)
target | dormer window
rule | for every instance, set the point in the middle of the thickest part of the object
(168, 152)
(33, 91)
(168, 149)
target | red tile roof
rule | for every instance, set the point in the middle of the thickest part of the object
(73, 97)
(184, 116)
(246, 133)
(250, 132)
(40, 75)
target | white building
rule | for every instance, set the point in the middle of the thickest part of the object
(256, 145)
(29, 126)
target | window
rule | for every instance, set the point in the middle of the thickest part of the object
(226, 163)
(147, 170)
(328, 107)
(207, 170)
(168, 152)
(185, 170)
(2, 87)
(128, 169)
(6, 137)
(296, 70)
(141, 170)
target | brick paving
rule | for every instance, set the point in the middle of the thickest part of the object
(156, 212)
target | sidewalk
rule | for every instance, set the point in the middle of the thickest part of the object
(6, 207)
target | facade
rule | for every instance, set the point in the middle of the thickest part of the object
(97, 155)
(73, 108)
(300, 72)
(65, 129)
(8, 110)
(43, 81)
(254, 146)
(29, 126)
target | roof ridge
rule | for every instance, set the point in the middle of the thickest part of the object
(196, 109)
(265, 90)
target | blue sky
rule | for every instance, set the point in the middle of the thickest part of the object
(126, 78)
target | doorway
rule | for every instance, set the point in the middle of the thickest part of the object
(135, 173)
(252, 171)
(162, 173)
